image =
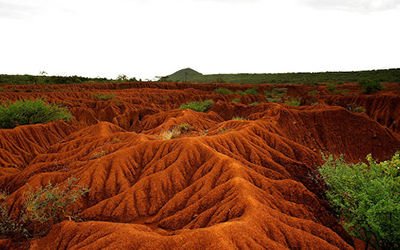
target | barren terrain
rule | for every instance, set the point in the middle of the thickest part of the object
(225, 184)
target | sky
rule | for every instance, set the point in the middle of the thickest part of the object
(148, 38)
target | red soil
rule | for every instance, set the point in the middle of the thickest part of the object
(226, 184)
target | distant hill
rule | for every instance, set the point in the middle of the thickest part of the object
(190, 75)
(183, 75)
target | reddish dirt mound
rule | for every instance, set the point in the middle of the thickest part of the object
(223, 184)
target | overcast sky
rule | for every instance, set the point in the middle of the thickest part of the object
(147, 38)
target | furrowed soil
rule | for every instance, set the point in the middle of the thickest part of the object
(224, 184)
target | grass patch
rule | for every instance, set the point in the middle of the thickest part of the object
(236, 100)
(252, 91)
(313, 92)
(198, 106)
(238, 118)
(254, 104)
(104, 97)
(31, 112)
(293, 101)
(223, 91)
(331, 87)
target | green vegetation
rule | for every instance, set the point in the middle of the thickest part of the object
(370, 86)
(53, 203)
(198, 106)
(275, 94)
(254, 104)
(238, 118)
(43, 79)
(331, 87)
(171, 134)
(185, 127)
(223, 91)
(252, 91)
(293, 101)
(31, 112)
(386, 75)
(12, 228)
(183, 75)
(236, 100)
(360, 109)
(45, 205)
(104, 97)
(313, 92)
(366, 197)
(98, 155)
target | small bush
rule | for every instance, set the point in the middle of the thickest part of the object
(331, 87)
(370, 86)
(254, 104)
(3, 195)
(31, 112)
(104, 97)
(252, 91)
(360, 109)
(53, 203)
(236, 100)
(293, 101)
(279, 91)
(198, 106)
(274, 100)
(12, 228)
(98, 155)
(366, 197)
(171, 134)
(313, 92)
(185, 127)
(223, 91)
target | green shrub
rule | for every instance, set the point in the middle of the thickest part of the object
(53, 203)
(331, 87)
(252, 91)
(198, 106)
(104, 97)
(185, 127)
(31, 112)
(254, 104)
(275, 100)
(98, 155)
(236, 100)
(293, 101)
(366, 197)
(360, 109)
(12, 228)
(223, 91)
(370, 86)
(313, 92)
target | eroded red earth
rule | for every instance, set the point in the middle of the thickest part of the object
(227, 184)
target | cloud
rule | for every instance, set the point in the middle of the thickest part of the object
(353, 5)
(10, 9)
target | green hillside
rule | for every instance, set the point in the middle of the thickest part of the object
(189, 75)
(183, 75)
